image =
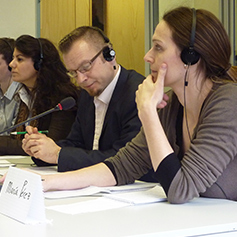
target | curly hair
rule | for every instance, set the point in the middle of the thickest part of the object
(52, 83)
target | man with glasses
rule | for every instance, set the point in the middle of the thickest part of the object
(107, 115)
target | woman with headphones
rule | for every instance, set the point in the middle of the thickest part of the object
(191, 140)
(8, 102)
(37, 66)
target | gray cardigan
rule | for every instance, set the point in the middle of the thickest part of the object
(207, 169)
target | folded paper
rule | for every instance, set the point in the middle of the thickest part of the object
(21, 196)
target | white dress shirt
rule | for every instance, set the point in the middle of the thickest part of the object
(101, 104)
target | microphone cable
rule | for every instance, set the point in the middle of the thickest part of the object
(185, 110)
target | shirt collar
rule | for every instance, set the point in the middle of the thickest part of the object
(12, 90)
(24, 96)
(106, 95)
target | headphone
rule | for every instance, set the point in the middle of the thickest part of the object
(189, 56)
(38, 63)
(108, 51)
(8, 45)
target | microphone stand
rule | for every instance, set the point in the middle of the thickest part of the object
(65, 104)
(30, 119)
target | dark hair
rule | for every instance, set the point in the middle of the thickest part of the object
(91, 34)
(52, 83)
(6, 48)
(211, 41)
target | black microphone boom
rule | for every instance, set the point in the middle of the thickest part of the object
(65, 104)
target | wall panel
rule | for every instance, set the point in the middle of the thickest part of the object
(125, 28)
(57, 19)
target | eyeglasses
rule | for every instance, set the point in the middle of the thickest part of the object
(86, 66)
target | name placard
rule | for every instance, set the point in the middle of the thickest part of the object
(21, 196)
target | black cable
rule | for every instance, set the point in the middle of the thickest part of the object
(185, 110)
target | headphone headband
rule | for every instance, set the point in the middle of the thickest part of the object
(108, 51)
(193, 32)
(37, 64)
(106, 39)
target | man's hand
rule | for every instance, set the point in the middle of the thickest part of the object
(40, 146)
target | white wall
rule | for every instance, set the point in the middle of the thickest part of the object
(18, 17)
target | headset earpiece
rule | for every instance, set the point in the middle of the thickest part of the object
(108, 53)
(189, 56)
(38, 63)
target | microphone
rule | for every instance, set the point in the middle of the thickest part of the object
(65, 104)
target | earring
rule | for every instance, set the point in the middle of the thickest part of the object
(185, 66)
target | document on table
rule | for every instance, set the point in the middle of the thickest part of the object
(114, 200)
(92, 190)
(43, 170)
(98, 204)
(13, 157)
(5, 164)
(155, 194)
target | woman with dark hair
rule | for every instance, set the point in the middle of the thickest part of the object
(191, 140)
(8, 102)
(37, 66)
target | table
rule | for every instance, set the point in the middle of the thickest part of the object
(196, 218)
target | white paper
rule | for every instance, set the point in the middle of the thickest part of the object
(155, 194)
(45, 170)
(98, 204)
(3, 170)
(112, 200)
(13, 157)
(5, 163)
(96, 190)
(73, 193)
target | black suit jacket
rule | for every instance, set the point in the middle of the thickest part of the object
(121, 124)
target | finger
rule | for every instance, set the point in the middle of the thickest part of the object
(165, 97)
(3, 177)
(29, 129)
(36, 154)
(161, 75)
(27, 146)
(35, 130)
(35, 136)
(162, 104)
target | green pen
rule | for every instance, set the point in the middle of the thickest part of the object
(17, 133)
